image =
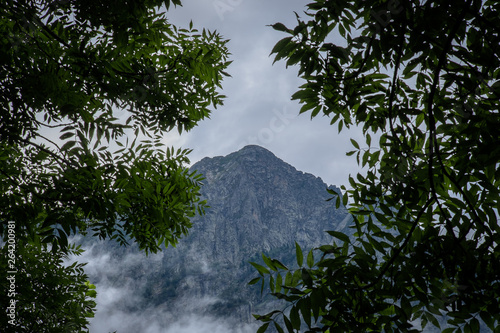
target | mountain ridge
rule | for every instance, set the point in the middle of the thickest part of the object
(253, 186)
(258, 204)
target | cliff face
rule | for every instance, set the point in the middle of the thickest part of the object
(258, 204)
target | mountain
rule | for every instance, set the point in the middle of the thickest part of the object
(258, 203)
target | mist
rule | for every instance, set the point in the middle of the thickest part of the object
(122, 308)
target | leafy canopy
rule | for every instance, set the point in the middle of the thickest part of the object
(423, 77)
(87, 91)
(50, 295)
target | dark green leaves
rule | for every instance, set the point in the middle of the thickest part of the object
(283, 48)
(93, 98)
(62, 289)
(424, 79)
(295, 318)
(88, 93)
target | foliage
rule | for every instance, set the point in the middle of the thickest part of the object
(50, 296)
(108, 79)
(87, 91)
(424, 78)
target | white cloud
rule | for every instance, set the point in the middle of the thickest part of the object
(257, 88)
(121, 307)
(111, 316)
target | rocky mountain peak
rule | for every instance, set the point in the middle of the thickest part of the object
(258, 203)
(254, 150)
(256, 165)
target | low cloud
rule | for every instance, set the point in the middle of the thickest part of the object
(162, 322)
(121, 307)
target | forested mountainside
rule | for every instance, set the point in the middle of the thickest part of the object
(258, 204)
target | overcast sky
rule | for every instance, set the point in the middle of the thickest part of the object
(258, 108)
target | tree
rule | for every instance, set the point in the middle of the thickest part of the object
(97, 74)
(423, 77)
(88, 89)
(63, 301)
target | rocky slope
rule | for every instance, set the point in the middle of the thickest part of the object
(258, 202)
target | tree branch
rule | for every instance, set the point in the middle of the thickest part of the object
(398, 251)
(433, 145)
(393, 85)
(48, 151)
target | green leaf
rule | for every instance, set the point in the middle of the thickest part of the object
(355, 144)
(269, 263)
(339, 235)
(254, 281)
(280, 27)
(91, 293)
(299, 255)
(295, 317)
(297, 276)
(288, 279)
(279, 283)
(68, 145)
(305, 309)
(488, 319)
(304, 94)
(474, 325)
(288, 324)
(310, 259)
(263, 328)
(280, 45)
(278, 328)
(261, 269)
(317, 301)
(406, 306)
(307, 278)
(279, 265)
(433, 320)
(66, 135)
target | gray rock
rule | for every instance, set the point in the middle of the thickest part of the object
(258, 203)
